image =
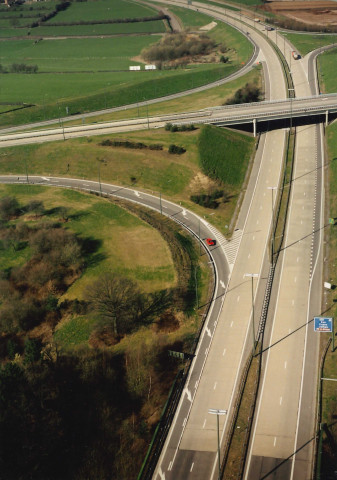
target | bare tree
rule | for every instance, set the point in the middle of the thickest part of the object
(116, 299)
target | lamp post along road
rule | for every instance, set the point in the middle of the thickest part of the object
(217, 412)
(252, 276)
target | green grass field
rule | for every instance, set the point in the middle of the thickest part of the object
(84, 11)
(84, 92)
(328, 84)
(327, 71)
(142, 256)
(190, 18)
(94, 88)
(175, 176)
(305, 43)
(76, 55)
(103, 10)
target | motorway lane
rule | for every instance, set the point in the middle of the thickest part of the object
(277, 419)
(282, 442)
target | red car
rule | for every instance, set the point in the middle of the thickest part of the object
(210, 241)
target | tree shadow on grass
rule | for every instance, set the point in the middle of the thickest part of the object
(90, 246)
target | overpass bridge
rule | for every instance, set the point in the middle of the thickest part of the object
(267, 111)
(253, 114)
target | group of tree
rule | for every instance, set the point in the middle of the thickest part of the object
(19, 68)
(211, 199)
(247, 94)
(177, 45)
(179, 128)
(129, 144)
(29, 292)
(88, 412)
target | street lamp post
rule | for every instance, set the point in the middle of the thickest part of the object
(291, 108)
(217, 412)
(252, 276)
(273, 224)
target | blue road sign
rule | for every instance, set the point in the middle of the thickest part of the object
(322, 324)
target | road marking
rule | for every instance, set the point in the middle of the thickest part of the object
(285, 364)
(222, 284)
(184, 422)
(297, 259)
(293, 302)
(45, 178)
(137, 193)
(188, 393)
(253, 237)
(196, 384)
(280, 400)
(208, 332)
(232, 324)
(223, 353)
(161, 474)
(192, 467)
(204, 423)
(169, 467)
(295, 279)
(274, 441)
(184, 213)
(238, 299)
(215, 384)
(248, 255)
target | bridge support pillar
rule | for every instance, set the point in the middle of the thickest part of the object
(327, 118)
(254, 126)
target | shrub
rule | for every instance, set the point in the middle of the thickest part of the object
(176, 150)
(177, 45)
(179, 128)
(249, 93)
(209, 200)
(9, 207)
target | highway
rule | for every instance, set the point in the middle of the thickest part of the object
(281, 444)
(283, 439)
(191, 448)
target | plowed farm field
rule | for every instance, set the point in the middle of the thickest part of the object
(310, 12)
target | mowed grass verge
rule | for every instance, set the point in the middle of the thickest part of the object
(328, 84)
(329, 392)
(305, 43)
(174, 176)
(211, 97)
(327, 71)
